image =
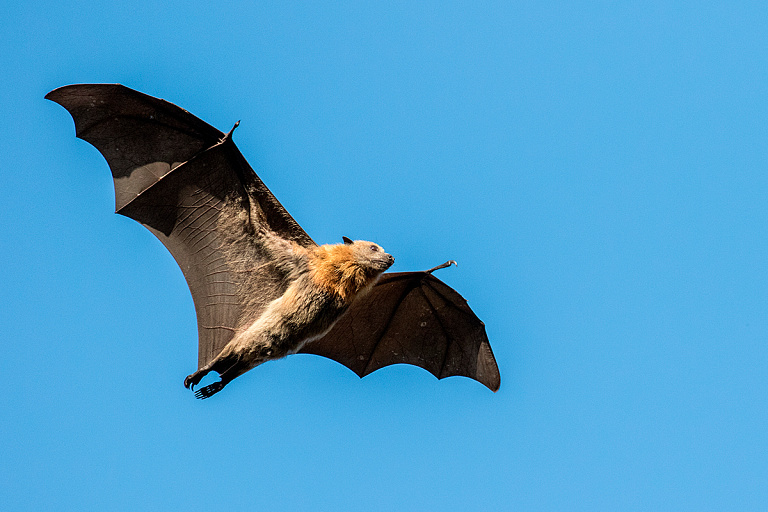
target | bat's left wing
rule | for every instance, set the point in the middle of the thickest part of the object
(412, 318)
(187, 183)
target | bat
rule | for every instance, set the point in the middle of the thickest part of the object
(262, 288)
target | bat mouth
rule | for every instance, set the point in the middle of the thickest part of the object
(382, 263)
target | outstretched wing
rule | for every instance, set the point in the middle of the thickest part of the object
(413, 318)
(189, 184)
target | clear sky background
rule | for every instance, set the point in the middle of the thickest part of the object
(598, 169)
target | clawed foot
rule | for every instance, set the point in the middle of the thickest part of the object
(192, 380)
(209, 390)
(225, 376)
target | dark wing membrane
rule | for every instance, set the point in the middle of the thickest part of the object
(189, 184)
(412, 318)
(141, 137)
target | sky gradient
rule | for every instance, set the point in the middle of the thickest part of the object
(598, 170)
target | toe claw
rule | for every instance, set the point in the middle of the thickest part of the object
(190, 383)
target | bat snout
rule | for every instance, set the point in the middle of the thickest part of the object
(382, 262)
(387, 261)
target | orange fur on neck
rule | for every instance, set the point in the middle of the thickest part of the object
(335, 269)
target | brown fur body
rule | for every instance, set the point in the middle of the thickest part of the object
(323, 282)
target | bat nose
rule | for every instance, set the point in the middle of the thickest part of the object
(390, 258)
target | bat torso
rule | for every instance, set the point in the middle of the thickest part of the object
(324, 281)
(302, 313)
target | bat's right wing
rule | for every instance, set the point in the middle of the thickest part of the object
(189, 184)
(412, 318)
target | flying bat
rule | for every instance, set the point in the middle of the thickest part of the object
(262, 288)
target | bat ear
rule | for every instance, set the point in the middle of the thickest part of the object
(347, 241)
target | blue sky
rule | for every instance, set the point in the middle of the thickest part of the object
(598, 170)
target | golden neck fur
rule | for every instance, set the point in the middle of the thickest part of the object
(335, 269)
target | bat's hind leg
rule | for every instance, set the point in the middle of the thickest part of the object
(193, 380)
(222, 364)
(225, 378)
(232, 362)
(227, 367)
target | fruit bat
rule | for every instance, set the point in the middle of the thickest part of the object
(262, 288)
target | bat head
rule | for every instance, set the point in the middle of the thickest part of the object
(370, 255)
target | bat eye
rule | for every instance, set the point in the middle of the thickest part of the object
(374, 248)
